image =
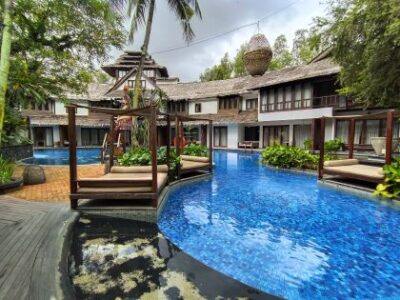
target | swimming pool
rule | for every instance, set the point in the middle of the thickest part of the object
(61, 156)
(282, 233)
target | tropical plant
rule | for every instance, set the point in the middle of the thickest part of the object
(333, 146)
(289, 157)
(390, 188)
(14, 129)
(6, 170)
(195, 150)
(364, 39)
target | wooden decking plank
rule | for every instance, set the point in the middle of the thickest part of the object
(23, 264)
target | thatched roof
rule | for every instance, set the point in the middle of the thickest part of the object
(320, 68)
(95, 92)
(243, 85)
(53, 120)
(208, 89)
(131, 59)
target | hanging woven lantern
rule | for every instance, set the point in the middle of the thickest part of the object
(258, 55)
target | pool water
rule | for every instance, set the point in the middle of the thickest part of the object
(282, 233)
(61, 156)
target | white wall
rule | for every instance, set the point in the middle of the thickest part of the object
(207, 107)
(62, 111)
(296, 114)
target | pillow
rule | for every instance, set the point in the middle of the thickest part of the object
(195, 158)
(138, 169)
(341, 162)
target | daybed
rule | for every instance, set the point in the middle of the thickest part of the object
(194, 163)
(351, 168)
(122, 183)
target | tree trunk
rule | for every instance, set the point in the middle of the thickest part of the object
(138, 84)
(5, 59)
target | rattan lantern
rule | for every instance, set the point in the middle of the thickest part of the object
(258, 55)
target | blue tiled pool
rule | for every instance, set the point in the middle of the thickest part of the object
(61, 156)
(282, 233)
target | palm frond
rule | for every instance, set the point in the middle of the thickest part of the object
(185, 10)
(136, 11)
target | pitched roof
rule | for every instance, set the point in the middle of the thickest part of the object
(53, 120)
(95, 92)
(208, 89)
(323, 67)
(131, 59)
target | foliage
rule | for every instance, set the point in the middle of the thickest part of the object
(365, 42)
(6, 170)
(308, 144)
(239, 68)
(221, 71)
(390, 188)
(333, 146)
(195, 150)
(141, 156)
(282, 57)
(14, 131)
(303, 50)
(289, 157)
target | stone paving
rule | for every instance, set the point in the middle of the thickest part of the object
(56, 187)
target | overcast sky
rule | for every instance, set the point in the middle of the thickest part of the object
(219, 16)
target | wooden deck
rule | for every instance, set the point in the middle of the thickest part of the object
(31, 248)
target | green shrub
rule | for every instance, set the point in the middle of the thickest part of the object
(289, 157)
(6, 170)
(308, 144)
(333, 146)
(390, 188)
(140, 156)
(195, 150)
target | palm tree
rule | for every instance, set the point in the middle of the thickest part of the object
(5, 58)
(183, 9)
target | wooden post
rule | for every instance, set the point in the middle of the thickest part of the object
(112, 139)
(389, 137)
(72, 153)
(153, 149)
(352, 130)
(321, 150)
(210, 124)
(168, 138)
(177, 143)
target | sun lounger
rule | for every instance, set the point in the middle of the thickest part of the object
(194, 163)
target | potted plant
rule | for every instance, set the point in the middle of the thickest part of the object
(7, 181)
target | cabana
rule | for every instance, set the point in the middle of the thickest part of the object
(352, 168)
(141, 182)
(191, 164)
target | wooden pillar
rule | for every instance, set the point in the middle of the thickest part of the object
(168, 138)
(177, 143)
(352, 130)
(210, 124)
(153, 149)
(389, 137)
(112, 140)
(72, 153)
(321, 150)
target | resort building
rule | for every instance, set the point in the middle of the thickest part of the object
(281, 107)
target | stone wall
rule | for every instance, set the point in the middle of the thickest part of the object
(17, 152)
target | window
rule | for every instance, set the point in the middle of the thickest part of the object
(122, 73)
(92, 136)
(197, 107)
(131, 83)
(276, 135)
(220, 136)
(143, 82)
(251, 104)
(149, 73)
(176, 107)
(228, 103)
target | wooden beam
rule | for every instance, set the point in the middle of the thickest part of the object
(72, 153)
(350, 142)
(210, 124)
(321, 150)
(112, 139)
(389, 137)
(153, 149)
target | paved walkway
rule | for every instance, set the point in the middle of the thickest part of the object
(56, 187)
(31, 247)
